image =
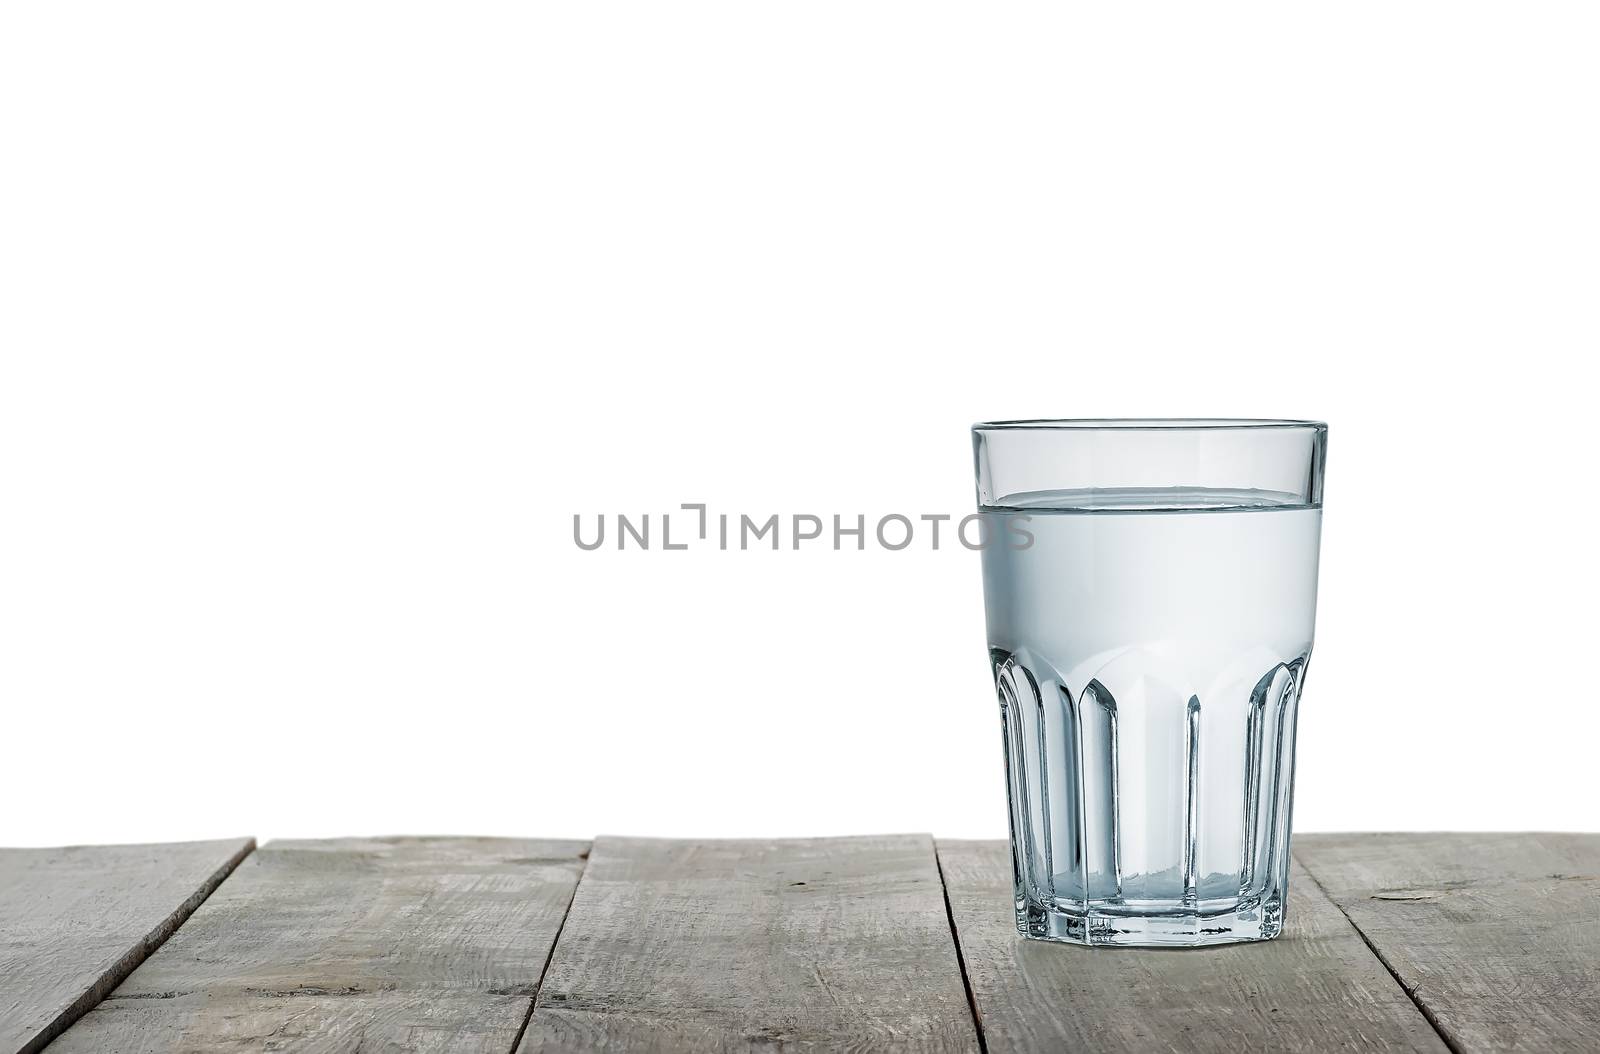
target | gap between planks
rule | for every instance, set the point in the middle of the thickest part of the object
(961, 956)
(1494, 935)
(549, 958)
(1409, 989)
(119, 970)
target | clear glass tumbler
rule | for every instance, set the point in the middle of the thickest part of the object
(1151, 587)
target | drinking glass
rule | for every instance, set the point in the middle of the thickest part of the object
(1150, 587)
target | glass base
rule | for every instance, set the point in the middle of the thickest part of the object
(1131, 926)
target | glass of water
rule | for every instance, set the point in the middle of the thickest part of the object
(1150, 587)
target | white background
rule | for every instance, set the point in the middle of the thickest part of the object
(320, 321)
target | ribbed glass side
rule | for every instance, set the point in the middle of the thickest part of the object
(1141, 813)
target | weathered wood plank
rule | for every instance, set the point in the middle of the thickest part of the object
(74, 922)
(413, 944)
(1497, 936)
(1316, 988)
(803, 944)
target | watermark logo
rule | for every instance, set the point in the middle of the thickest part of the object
(694, 526)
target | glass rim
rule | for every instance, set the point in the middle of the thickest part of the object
(1149, 424)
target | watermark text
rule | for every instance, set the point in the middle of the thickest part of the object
(693, 525)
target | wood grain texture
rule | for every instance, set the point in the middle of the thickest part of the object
(1316, 988)
(795, 945)
(1497, 936)
(74, 922)
(394, 944)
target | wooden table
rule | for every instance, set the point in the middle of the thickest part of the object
(1430, 942)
